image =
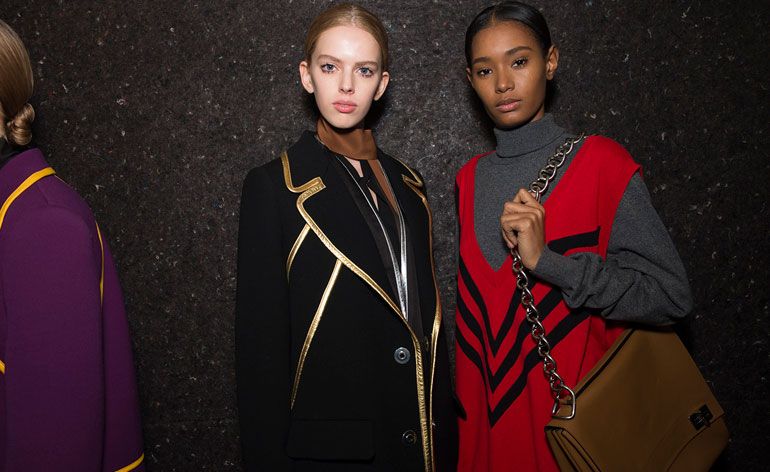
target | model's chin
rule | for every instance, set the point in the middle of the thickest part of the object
(513, 119)
(344, 120)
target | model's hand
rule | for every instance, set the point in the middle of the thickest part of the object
(522, 225)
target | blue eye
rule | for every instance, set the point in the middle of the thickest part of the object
(328, 68)
(520, 62)
(366, 71)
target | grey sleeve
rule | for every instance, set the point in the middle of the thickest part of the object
(642, 280)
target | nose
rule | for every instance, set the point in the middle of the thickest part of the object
(504, 83)
(346, 82)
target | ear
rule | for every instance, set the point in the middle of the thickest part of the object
(384, 80)
(551, 62)
(305, 77)
(469, 76)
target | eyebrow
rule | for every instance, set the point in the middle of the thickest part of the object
(327, 57)
(509, 52)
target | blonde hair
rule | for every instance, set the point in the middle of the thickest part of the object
(16, 84)
(347, 14)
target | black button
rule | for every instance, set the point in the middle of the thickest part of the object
(402, 355)
(409, 438)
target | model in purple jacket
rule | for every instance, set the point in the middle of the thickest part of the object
(68, 397)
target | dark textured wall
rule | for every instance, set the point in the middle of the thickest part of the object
(155, 111)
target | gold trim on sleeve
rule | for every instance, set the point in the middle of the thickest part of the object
(2, 367)
(295, 248)
(313, 327)
(132, 465)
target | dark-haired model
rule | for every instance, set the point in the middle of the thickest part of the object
(341, 356)
(597, 253)
(68, 398)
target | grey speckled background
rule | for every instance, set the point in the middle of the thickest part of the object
(155, 111)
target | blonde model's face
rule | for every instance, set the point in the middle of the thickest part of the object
(345, 75)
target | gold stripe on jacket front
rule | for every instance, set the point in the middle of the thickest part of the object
(313, 327)
(307, 190)
(295, 248)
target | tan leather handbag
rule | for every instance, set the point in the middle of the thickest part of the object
(645, 406)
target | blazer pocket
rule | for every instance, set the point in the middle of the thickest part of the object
(330, 440)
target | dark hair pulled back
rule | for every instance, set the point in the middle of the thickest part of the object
(525, 14)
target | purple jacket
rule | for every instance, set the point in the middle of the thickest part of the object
(68, 397)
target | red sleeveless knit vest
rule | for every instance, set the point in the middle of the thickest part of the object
(500, 380)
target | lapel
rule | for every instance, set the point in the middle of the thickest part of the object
(409, 191)
(325, 204)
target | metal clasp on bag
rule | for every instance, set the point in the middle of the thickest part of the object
(562, 400)
(701, 418)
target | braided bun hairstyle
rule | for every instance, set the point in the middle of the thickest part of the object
(16, 84)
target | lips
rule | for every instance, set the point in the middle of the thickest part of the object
(345, 106)
(507, 105)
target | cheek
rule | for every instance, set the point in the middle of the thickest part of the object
(485, 89)
(367, 86)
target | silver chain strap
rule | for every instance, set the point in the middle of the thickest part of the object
(562, 394)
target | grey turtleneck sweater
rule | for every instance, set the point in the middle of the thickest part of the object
(641, 280)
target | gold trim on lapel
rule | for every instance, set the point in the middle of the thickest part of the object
(295, 248)
(307, 190)
(313, 327)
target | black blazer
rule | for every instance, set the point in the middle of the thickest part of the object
(330, 376)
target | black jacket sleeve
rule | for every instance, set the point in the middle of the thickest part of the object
(262, 328)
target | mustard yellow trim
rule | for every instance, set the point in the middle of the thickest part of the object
(307, 190)
(28, 182)
(132, 465)
(313, 327)
(295, 248)
(101, 276)
(24, 186)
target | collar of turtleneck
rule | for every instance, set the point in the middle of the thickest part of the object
(528, 138)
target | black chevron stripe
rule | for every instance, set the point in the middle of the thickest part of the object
(494, 341)
(470, 320)
(545, 307)
(559, 246)
(562, 245)
(570, 322)
(471, 354)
